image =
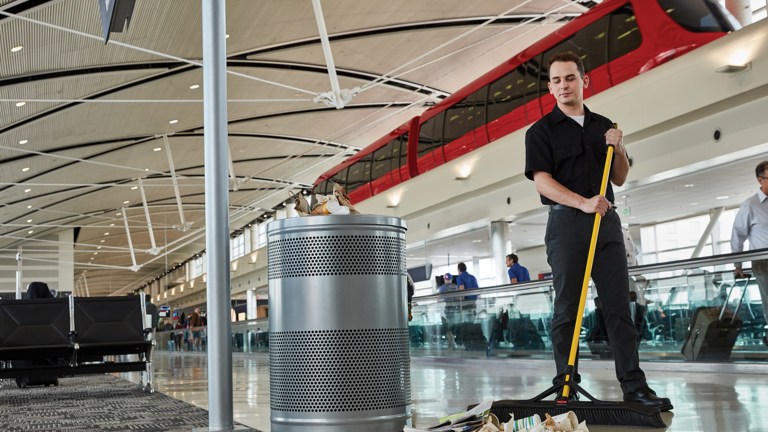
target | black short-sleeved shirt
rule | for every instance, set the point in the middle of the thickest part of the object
(572, 154)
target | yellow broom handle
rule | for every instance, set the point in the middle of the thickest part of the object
(588, 273)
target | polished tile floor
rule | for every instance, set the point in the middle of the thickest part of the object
(703, 402)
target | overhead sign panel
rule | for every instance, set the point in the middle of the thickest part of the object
(115, 16)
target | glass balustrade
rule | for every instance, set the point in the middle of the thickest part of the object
(514, 320)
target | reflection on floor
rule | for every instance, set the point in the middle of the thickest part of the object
(703, 402)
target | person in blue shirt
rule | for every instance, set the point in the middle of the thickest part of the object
(448, 284)
(466, 281)
(517, 273)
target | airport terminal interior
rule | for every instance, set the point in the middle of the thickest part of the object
(260, 215)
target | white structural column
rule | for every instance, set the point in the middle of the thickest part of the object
(250, 304)
(19, 288)
(183, 225)
(326, 44)
(713, 218)
(135, 267)
(741, 10)
(220, 413)
(154, 250)
(499, 235)
(85, 284)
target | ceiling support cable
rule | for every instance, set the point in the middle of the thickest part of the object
(148, 100)
(336, 97)
(134, 267)
(155, 250)
(60, 242)
(148, 51)
(78, 159)
(183, 226)
(85, 282)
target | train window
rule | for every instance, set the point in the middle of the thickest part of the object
(359, 174)
(531, 77)
(340, 178)
(320, 188)
(403, 150)
(625, 35)
(506, 94)
(698, 15)
(430, 134)
(480, 98)
(589, 44)
(459, 120)
(382, 159)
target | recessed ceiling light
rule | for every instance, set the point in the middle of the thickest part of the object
(227, 36)
(20, 104)
(173, 121)
(111, 224)
(17, 48)
(98, 247)
(126, 202)
(194, 86)
(27, 190)
(22, 142)
(157, 148)
(25, 169)
(106, 233)
(134, 188)
(30, 231)
(146, 169)
(29, 206)
(95, 253)
(722, 197)
(694, 204)
(102, 241)
(29, 220)
(91, 258)
(119, 214)
(689, 185)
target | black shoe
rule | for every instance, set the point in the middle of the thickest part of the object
(646, 396)
(573, 396)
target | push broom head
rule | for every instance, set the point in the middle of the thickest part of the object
(600, 413)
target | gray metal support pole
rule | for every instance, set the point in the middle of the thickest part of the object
(499, 235)
(220, 413)
(713, 218)
(19, 289)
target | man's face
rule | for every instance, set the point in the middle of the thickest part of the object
(763, 180)
(566, 84)
(509, 262)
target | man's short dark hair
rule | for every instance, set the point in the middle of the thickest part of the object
(513, 257)
(761, 167)
(567, 56)
(462, 267)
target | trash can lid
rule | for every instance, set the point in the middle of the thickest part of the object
(331, 220)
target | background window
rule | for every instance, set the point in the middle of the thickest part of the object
(359, 174)
(383, 159)
(237, 246)
(459, 120)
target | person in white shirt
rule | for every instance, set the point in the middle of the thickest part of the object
(752, 224)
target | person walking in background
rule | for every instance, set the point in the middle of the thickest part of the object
(178, 335)
(38, 290)
(451, 311)
(194, 322)
(517, 273)
(751, 224)
(466, 281)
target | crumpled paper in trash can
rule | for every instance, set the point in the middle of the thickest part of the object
(336, 203)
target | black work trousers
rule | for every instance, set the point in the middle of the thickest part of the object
(568, 235)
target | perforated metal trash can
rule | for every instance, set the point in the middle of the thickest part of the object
(338, 324)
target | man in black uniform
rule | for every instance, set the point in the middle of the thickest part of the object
(565, 156)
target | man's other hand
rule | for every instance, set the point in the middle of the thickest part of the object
(738, 273)
(596, 204)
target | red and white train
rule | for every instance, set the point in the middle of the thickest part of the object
(617, 41)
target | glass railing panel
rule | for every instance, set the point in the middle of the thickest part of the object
(515, 320)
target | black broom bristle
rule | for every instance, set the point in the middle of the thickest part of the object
(607, 413)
